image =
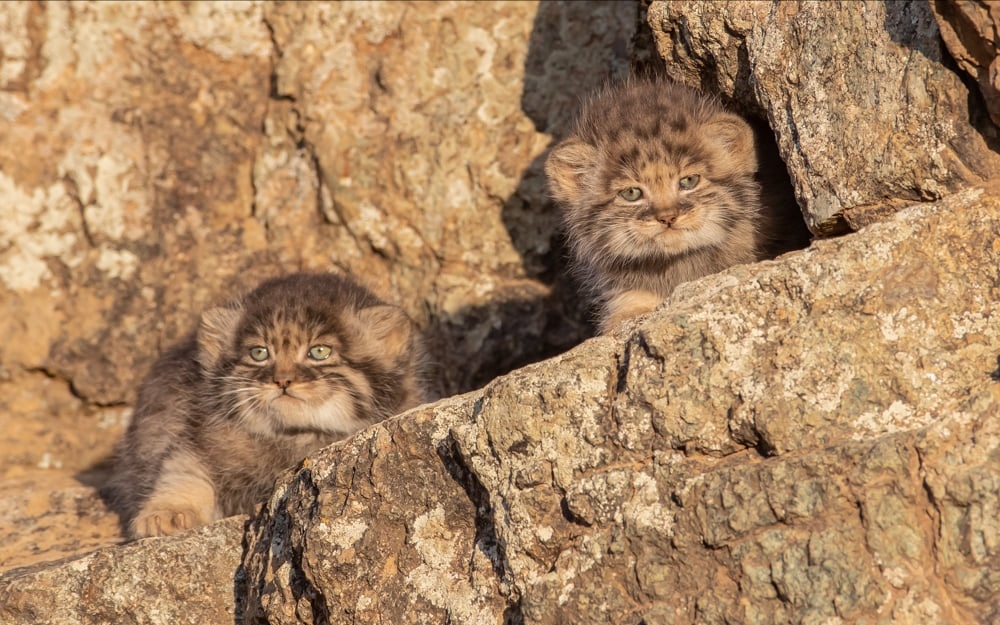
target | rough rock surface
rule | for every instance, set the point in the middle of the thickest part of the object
(809, 440)
(181, 579)
(49, 514)
(800, 441)
(969, 29)
(867, 116)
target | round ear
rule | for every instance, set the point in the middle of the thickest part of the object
(567, 168)
(733, 137)
(388, 331)
(216, 333)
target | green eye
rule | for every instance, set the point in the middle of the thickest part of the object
(319, 352)
(689, 182)
(631, 194)
(258, 353)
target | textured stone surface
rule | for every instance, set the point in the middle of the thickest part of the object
(969, 29)
(867, 116)
(808, 440)
(804, 440)
(47, 515)
(181, 579)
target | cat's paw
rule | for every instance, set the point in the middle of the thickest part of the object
(164, 520)
(628, 305)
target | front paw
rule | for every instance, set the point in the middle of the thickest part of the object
(164, 520)
(628, 305)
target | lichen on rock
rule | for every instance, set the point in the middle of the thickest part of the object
(810, 439)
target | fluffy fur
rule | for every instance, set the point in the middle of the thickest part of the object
(294, 365)
(658, 186)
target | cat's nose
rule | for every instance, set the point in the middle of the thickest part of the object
(283, 381)
(666, 218)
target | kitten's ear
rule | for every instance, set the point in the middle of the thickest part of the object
(216, 333)
(388, 330)
(734, 137)
(567, 167)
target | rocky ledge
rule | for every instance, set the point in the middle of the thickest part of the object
(811, 439)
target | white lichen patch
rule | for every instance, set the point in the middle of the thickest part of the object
(896, 576)
(36, 226)
(342, 532)
(826, 380)
(644, 510)
(899, 416)
(440, 578)
(371, 221)
(109, 418)
(970, 322)
(119, 264)
(47, 461)
(15, 46)
(118, 197)
(565, 594)
(896, 324)
(11, 106)
(226, 28)
(484, 46)
(363, 603)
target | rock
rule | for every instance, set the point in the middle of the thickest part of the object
(807, 440)
(969, 31)
(48, 515)
(801, 440)
(181, 579)
(867, 116)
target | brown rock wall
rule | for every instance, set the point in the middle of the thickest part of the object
(807, 440)
(159, 157)
(969, 30)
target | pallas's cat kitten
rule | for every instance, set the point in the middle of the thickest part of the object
(299, 362)
(657, 185)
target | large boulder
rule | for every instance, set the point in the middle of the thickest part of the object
(803, 440)
(799, 441)
(867, 113)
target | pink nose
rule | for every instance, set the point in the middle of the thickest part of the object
(283, 381)
(666, 218)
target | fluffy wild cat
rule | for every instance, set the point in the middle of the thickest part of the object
(297, 363)
(658, 185)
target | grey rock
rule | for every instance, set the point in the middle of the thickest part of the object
(805, 439)
(867, 115)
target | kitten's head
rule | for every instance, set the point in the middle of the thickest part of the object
(653, 170)
(310, 353)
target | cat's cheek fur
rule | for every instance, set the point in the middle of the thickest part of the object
(337, 415)
(705, 233)
(183, 497)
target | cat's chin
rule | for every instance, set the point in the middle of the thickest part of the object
(334, 415)
(674, 241)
